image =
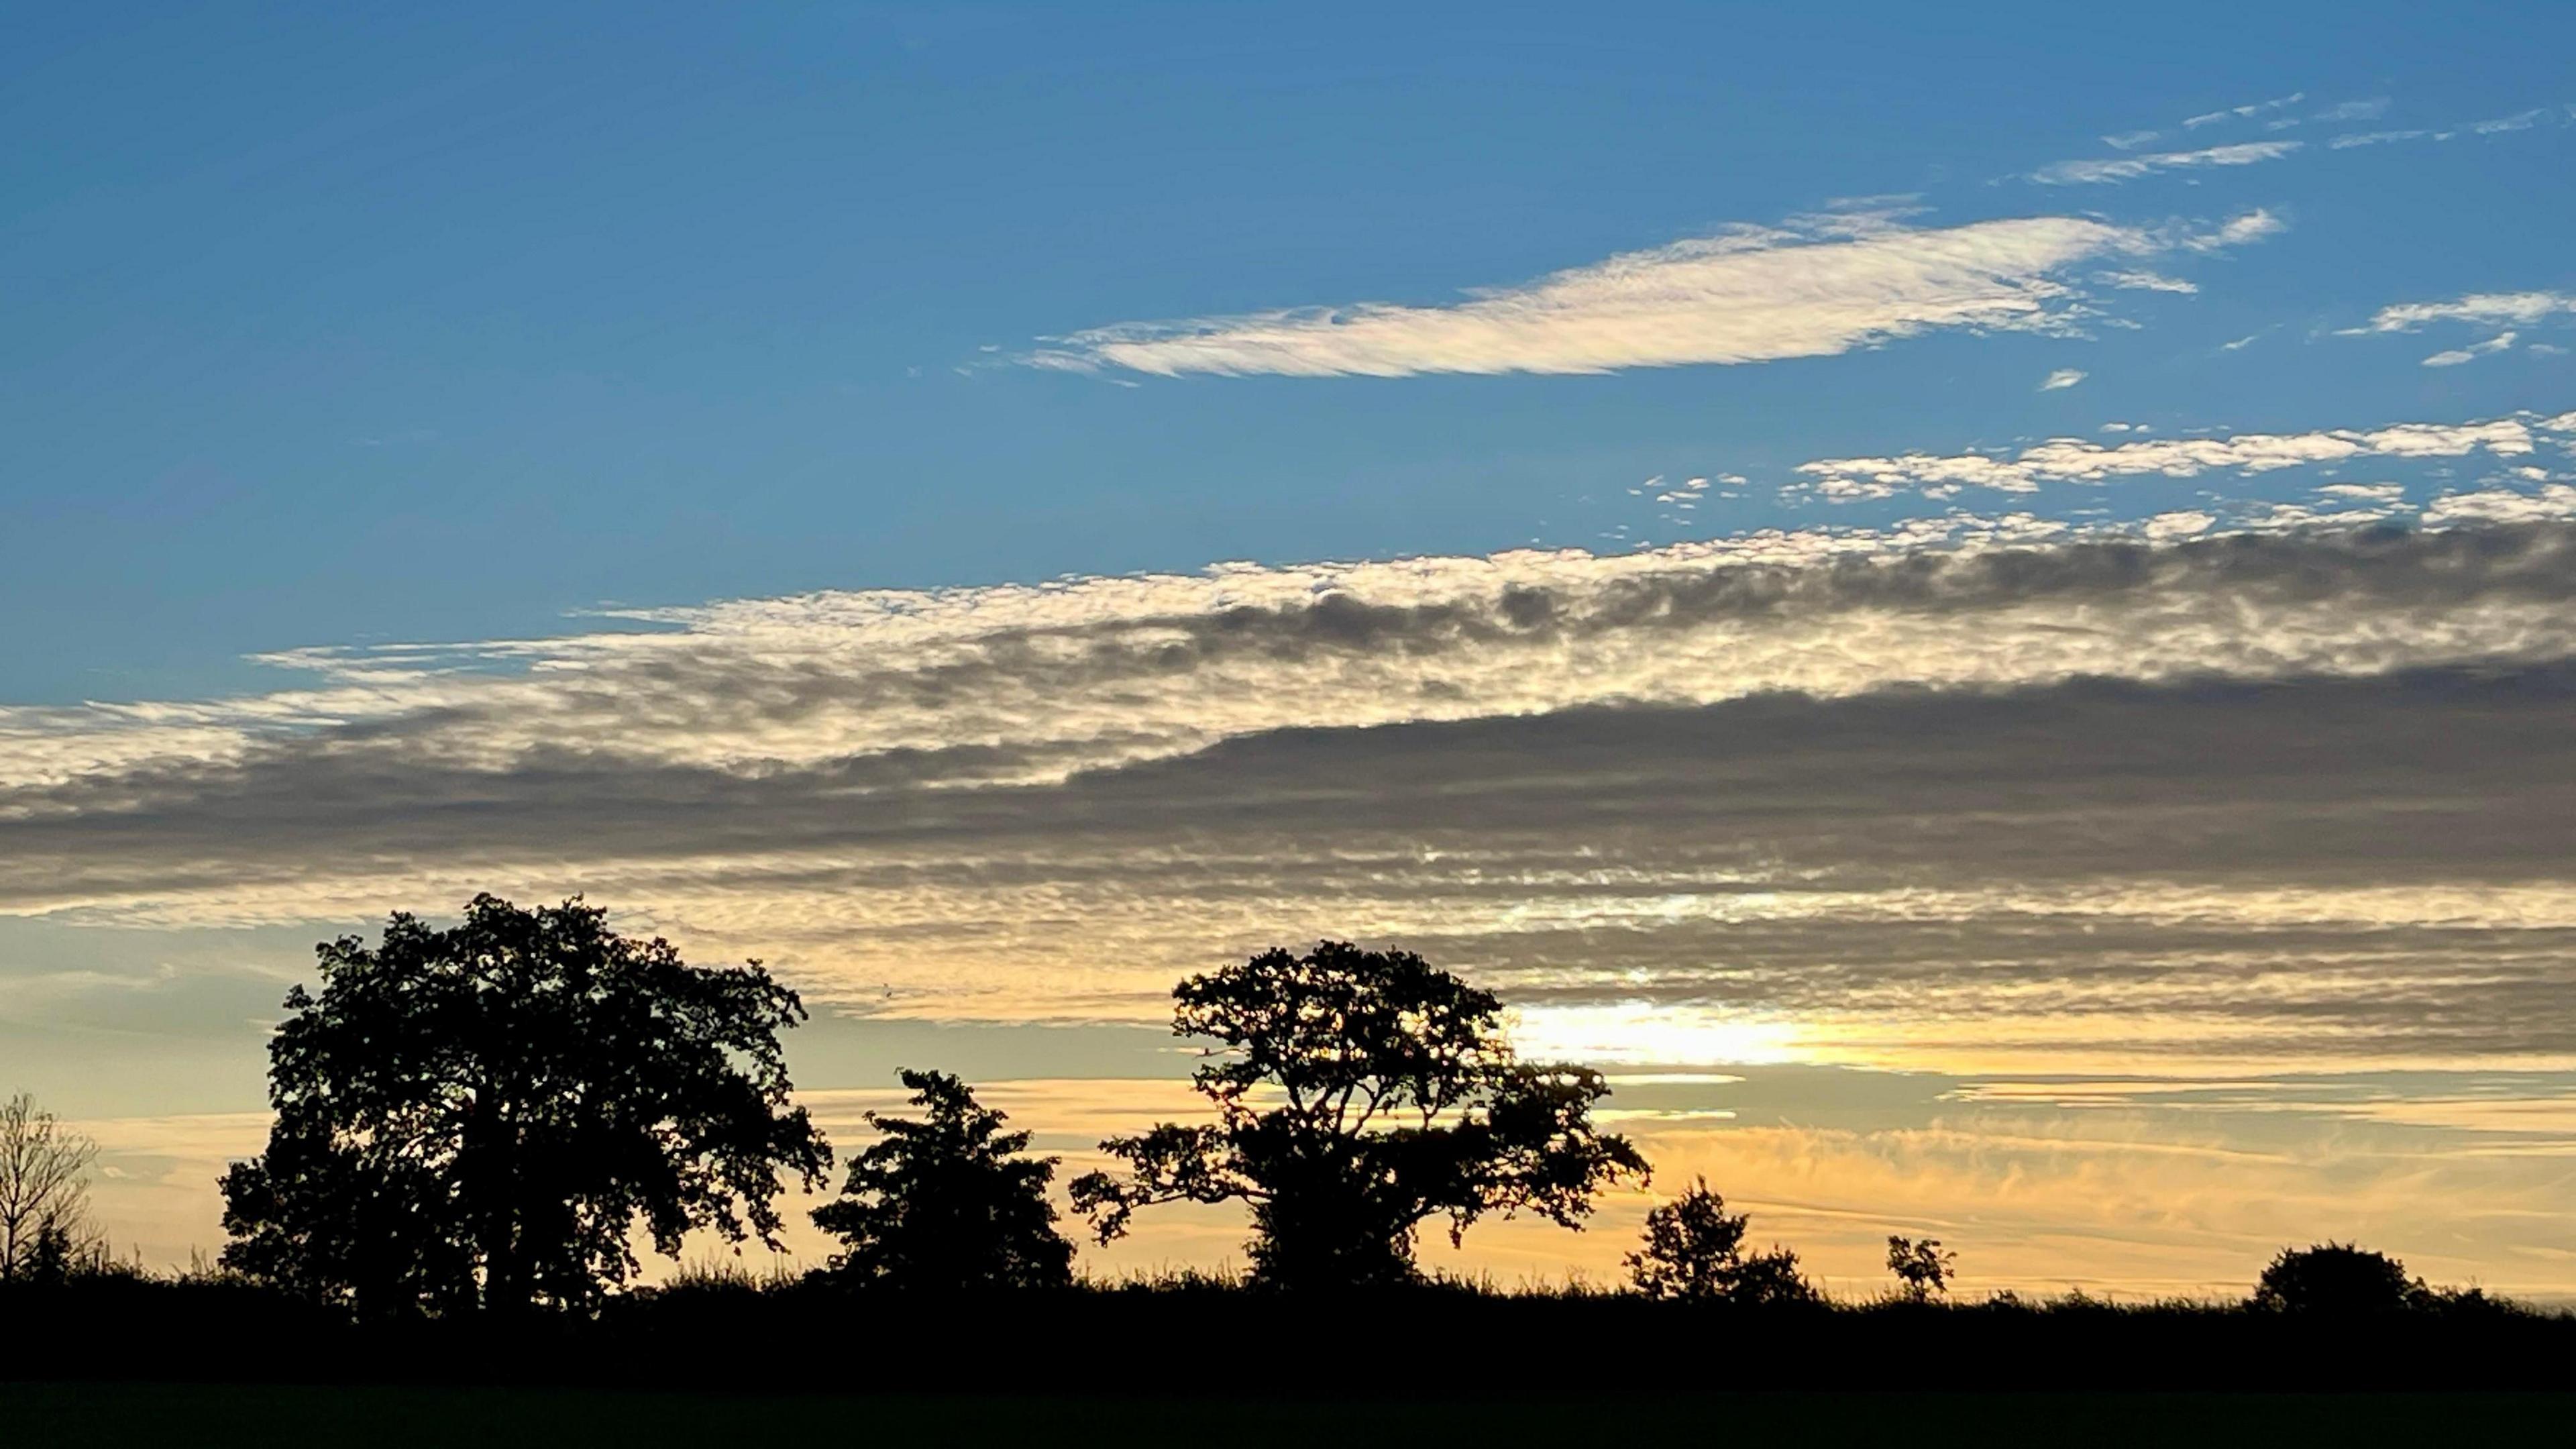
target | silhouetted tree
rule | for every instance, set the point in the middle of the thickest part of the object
(1389, 1095)
(2337, 1278)
(1921, 1268)
(44, 1191)
(1694, 1249)
(948, 1202)
(479, 1116)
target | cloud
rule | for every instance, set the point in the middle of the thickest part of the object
(2100, 170)
(2244, 112)
(2130, 140)
(2146, 281)
(2521, 121)
(2253, 226)
(2366, 110)
(2486, 309)
(2063, 377)
(2077, 460)
(1815, 288)
(2493, 126)
(2454, 357)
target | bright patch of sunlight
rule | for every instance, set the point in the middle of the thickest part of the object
(1638, 1033)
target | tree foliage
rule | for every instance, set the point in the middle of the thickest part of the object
(1358, 1094)
(947, 1202)
(480, 1116)
(2337, 1278)
(1694, 1250)
(45, 1224)
(1922, 1269)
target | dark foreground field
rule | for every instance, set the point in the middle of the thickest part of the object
(160, 1414)
(210, 1362)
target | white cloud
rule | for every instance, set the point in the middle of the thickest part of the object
(2063, 377)
(2098, 170)
(2244, 112)
(2486, 309)
(2457, 355)
(2077, 460)
(2253, 226)
(2502, 505)
(2493, 126)
(2166, 527)
(2240, 344)
(2521, 121)
(2369, 110)
(1820, 287)
(2130, 140)
(2146, 282)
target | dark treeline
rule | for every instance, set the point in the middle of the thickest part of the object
(475, 1125)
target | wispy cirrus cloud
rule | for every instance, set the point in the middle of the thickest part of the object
(2245, 112)
(2453, 357)
(2485, 309)
(1813, 288)
(2096, 171)
(2078, 460)
(2509, 310)
(2062, 378)
(2522, 120)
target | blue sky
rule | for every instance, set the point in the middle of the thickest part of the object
(1981, 604)
(329, 327)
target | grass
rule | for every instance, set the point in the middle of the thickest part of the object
(73, 1416)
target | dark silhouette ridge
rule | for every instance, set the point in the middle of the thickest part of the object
(947, 1203)
(478, 1117)
(1399, 1099)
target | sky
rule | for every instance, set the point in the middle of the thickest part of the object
(1980, 607)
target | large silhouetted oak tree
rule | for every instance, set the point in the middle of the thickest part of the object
(947, 1202)
(480, 1116)
(1359, 1093)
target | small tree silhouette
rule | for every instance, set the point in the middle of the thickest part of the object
(2337, 1278)
(1694, 1249)
(947, 1202)
(1922, 1269)
(1398, 1098)
(45, 1223)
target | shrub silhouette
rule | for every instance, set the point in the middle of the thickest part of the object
(478, 1116)
(1694, 1249)
(1922, 1269)
(1397, 1099)
(2339, 1279)
(947, 1202)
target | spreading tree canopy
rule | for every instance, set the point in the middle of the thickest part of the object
(480, 1116)
(1358, 1094)
(947, 1202)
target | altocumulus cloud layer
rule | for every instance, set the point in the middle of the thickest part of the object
(1967, 791)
